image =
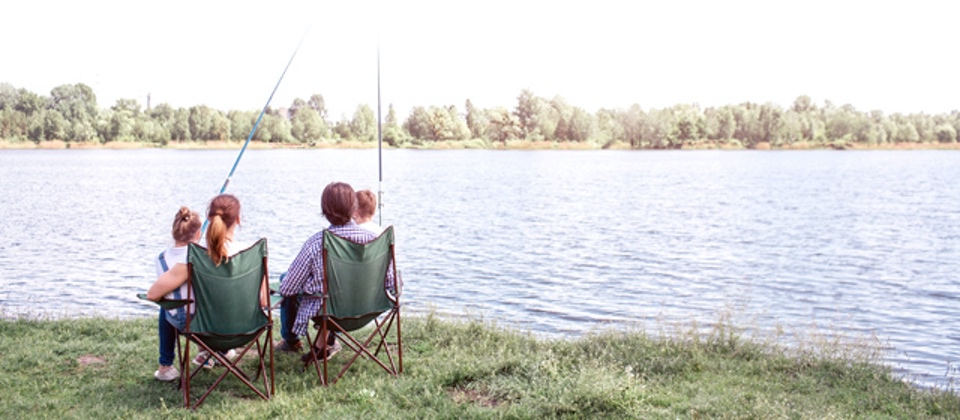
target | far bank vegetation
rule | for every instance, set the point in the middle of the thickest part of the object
(71, 115)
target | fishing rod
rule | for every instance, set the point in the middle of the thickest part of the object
(379, 142)
(257, 124)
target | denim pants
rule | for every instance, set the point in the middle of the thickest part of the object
(288, 315)
(168, 337)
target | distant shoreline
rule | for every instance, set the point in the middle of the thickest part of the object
(446, 145)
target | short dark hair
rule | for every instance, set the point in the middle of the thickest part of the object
(338, 203)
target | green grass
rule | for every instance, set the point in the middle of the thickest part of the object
(96, 368)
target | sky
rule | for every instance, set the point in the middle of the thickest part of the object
(893, 56)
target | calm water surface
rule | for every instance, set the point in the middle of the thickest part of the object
(555, 242)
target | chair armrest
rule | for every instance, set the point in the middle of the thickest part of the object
(398, 285)
(167, 304)
(276, 297)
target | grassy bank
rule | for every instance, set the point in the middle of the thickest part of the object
(94, 368)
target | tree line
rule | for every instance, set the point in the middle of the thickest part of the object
(70, 113)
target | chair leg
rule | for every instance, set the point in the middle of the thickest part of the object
(273, 388)
(230, 367)
(185, 374)
(315, 357)
(399, 345)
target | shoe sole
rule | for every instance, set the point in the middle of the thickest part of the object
(333, 352)
(171, 379)
(212, 361)
(282, 348)
(209, 364)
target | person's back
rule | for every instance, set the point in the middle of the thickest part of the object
(305, 275)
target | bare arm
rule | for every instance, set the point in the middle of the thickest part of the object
(166, 283)
(265, 295)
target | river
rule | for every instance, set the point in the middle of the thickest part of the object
(558, 243)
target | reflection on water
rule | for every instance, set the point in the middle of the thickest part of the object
(556, 242)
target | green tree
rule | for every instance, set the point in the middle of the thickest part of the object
(528, 113)
(29, 103)
(307, 126)
(201, 122)
(9, 96)
(180, 127)
(555, 119)
(13, 124)
(241, 123)
(954, 120)
(317, 103)
(55, 126)
(149, 130)
(121, 125)
(162, 113)
(393, 134)
(419, 124)
(791, 128)
(219, 126)
(609, 127)
(945, 133)
(688, 125)
(447, 124)
(274, 129)
(770, 124)
(841, 123)
(78, 105)
(719, 123)
(925, 126)
(803, 104)
(631, 123)
(658, 129)
(581, 127)
(123, 121)
(35, 126)
(476, 121)
(906, 131)
(295, 106)
(363, 125)
(503, 125)
(129, 105)
(749, 131)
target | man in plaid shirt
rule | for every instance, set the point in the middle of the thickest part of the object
(305, 276)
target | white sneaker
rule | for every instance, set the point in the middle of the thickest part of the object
(167, 375)
(334, 349)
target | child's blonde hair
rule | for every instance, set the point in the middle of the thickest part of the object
(186, 224)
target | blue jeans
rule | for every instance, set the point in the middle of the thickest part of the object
(288, 315)
(168, 337)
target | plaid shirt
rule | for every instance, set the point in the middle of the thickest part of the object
(305, 275)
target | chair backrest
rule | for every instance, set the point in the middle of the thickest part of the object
(228, 296)
(355, 276)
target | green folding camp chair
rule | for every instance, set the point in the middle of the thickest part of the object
(229, 315)
(354, 282)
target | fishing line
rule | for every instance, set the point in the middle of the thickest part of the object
(257, 124)
(379, 141)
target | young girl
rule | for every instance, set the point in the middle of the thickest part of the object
(224, 217)
(186, 229)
